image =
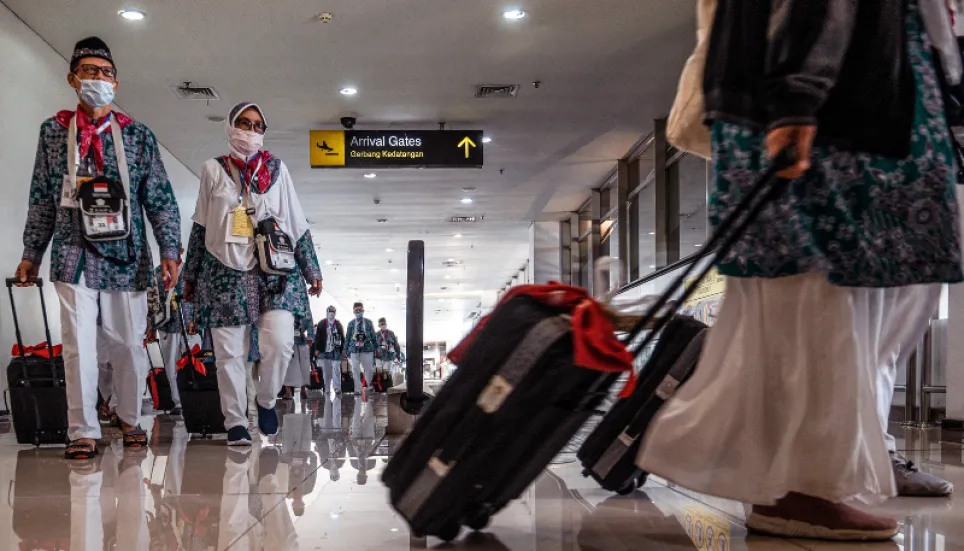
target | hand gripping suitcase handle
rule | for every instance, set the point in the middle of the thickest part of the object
(768, 187)
(39, 282)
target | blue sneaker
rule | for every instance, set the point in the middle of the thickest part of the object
(239, 436)
(267, 421)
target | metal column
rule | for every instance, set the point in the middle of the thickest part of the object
(627, 177)
(667, 201)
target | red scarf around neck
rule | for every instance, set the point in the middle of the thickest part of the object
(247, 169)
(87, 132)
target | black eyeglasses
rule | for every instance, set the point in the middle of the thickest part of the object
(245, 124)
(94, 70)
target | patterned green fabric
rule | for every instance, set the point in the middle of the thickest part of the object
(227, 298)
(863, 220)
(368, 328)
(388, 348)
(71, 254)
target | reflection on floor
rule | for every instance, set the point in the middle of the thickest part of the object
(316, 486)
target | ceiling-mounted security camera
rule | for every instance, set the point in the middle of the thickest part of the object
(348, 122)
(377, 201)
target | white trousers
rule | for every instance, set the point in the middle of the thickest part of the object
(105, 374)
(299, 368)
(172, 346)
(331, 372)
(252, 391)
(276, 341)
(359, 360)
(784, 398)
(124, 323)
(907, 312)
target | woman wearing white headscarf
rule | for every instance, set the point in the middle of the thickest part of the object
(224, 273)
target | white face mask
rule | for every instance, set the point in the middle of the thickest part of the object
(96, 93)
(331, 316)
(245, 142)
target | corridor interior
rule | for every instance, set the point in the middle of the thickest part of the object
(316, 485)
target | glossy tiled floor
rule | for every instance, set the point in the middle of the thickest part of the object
(316, 486)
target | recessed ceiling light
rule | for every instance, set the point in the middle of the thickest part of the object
(370, 175)
(513, 15)
(466, 200)
(215, 118)
(699, 245)
(458, 236)
(328, 263)
(652, 266)
(394, 270)
(389, 250)
(486, 139)
(132, 15)
(450, 260)
(448, 276)
(349, 91)
(468, 189)
(652, 233)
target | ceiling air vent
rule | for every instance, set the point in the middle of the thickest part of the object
(465, 219)
(450, 263)
(497, 91)
(202, 93)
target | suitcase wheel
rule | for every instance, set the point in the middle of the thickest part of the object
(478, 521)
(449, 531)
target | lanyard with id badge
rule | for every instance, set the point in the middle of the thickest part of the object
(274, 248)
(105, 211)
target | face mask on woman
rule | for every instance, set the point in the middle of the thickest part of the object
(246, 142)
(96, 93)
(383, 327)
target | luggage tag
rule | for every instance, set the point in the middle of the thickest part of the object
(68, 191)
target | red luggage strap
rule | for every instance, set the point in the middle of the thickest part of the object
(594, 341)
(39, 350)
(155, 396)
(192, 357)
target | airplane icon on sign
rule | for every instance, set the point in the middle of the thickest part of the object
(324, 146)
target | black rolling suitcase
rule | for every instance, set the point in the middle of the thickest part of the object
(197, 383)
(38, 392)
(609, 453)
(159, 386)
(513, 404)
(316, 380)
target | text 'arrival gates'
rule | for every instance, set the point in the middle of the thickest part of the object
(396, 149)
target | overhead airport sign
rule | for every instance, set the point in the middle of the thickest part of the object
(396, 149)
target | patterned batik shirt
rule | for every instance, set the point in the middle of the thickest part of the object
(862, 220)
(71, 254)
(388, 348)
(368, 328)
(226, 297)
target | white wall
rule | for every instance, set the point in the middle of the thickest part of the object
(33, 87)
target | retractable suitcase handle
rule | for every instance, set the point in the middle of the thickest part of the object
(179, 298)
(765, 190)
(39, 282)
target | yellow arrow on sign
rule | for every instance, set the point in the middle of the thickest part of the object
(466, 143)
